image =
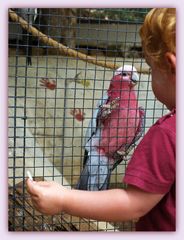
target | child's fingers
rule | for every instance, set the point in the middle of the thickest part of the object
(31, 187)
(35, 187)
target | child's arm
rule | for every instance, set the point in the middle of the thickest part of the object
(109, 205)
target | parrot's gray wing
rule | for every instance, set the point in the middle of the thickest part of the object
(83, 181)
(96, 173)
(92, 127)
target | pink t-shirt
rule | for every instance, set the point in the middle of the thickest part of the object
(152, 169)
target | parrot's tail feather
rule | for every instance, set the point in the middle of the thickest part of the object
(105, 186)
(83, 181)
(96, 173)
(85, 157)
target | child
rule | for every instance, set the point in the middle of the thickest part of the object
(150, 175)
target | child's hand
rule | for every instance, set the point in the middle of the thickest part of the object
(47, 197)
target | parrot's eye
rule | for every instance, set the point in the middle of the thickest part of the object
(124, 74)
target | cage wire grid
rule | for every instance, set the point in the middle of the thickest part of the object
(52, 97)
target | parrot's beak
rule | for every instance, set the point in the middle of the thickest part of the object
(133, 83)
(134, 79)
(135, 76)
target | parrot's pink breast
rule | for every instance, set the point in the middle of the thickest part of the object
(121, 126)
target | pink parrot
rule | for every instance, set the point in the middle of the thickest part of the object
(117, 123)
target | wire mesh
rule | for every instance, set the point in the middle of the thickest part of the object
(52, 97)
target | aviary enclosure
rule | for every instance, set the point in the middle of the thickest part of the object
(60, 63)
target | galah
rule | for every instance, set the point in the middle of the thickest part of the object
(116, 125)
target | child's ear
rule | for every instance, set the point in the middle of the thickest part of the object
(171, 61)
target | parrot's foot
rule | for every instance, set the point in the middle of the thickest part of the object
(29, 61)
(106, 106)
